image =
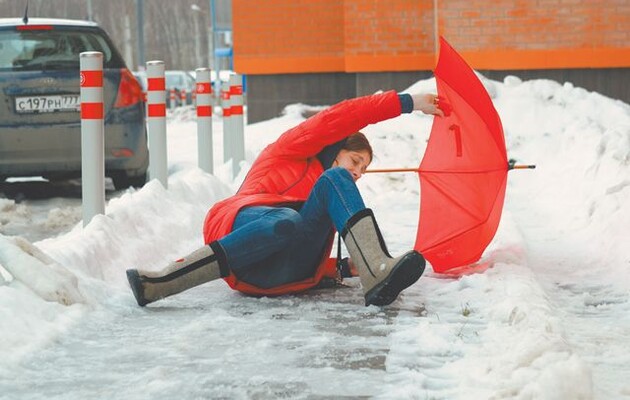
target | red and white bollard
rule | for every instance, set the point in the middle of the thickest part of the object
(92, 135)
(182, 96)
(156, 115)
(203, 89)
(238, 123)
(228, 147)
(173, 98)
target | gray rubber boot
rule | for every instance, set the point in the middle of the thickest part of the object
(203, 265)
(382, 277)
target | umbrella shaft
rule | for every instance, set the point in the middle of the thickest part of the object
(391, 170)
(385, 170)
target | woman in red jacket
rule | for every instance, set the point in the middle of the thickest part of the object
(274, 235)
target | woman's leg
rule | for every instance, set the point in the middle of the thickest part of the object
(262, 231)
(287, 246)
(335, 195)
(258, 232)
(334, 198)
(332, 201)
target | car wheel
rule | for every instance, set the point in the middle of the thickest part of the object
(122, 181)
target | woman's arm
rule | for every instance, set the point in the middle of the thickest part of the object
(343, 119)
(336, 123)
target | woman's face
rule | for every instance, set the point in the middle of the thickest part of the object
(354, 161)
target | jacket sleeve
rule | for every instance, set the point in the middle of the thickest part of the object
(336, 123)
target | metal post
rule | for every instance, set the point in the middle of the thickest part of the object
(215, 32)
(196, 12)
(127, 44)
(204, 120)
(89, 10)
(92, 135)
(238, 124)
(156, 114)
(210, 52)
(140, 30)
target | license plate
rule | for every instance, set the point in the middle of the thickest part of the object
(45, 104)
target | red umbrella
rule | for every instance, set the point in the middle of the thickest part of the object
(463, 173)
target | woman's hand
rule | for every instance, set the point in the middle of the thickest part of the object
(427, 103)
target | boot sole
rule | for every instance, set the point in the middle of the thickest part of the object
(404, 274)
(136, 287)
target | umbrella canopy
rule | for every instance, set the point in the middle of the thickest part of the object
(463, 173)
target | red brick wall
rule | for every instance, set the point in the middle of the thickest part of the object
(284, 36)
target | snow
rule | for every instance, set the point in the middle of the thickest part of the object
(550, 319)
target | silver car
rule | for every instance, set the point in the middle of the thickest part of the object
(40, 127)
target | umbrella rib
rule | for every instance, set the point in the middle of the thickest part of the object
(450, 197)
(455, 236)
(473, 108)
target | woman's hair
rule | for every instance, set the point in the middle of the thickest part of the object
(358, 142)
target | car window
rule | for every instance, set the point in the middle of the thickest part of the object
(50, 49)
(142, 79)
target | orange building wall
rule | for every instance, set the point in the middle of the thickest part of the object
(395, 35)
(274, 36)
(296, 36)
(538, 34)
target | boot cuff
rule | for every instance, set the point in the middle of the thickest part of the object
(359, 216)
(356, 218)
(221, 258)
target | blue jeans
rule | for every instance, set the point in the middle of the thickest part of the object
(273, 246)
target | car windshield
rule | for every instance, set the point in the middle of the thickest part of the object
(174, 80)
(50, 49)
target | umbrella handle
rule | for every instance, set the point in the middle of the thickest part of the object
(512, 165)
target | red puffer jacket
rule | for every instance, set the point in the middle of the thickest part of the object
(286, 170)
